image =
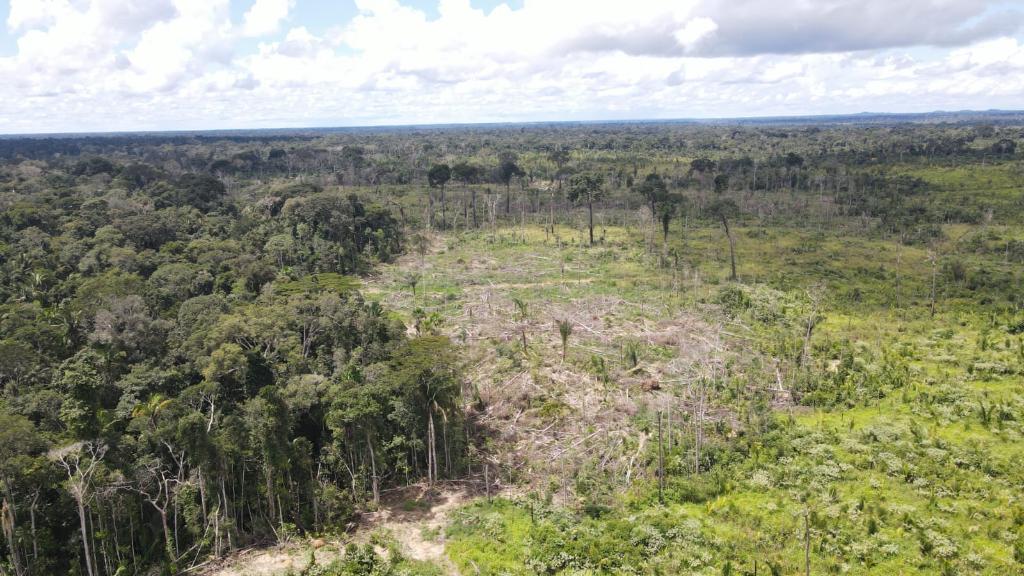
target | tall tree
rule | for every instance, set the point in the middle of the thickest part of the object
(654, 191)
(438, 177)
(721, 183)
(560, 155)
(81, 461)
(702, 167)
(587, 187)
(20, 446)
(507, 170)
(724, 210)
(426, 369)
(662, 203)
(467, 174)
(669, 208)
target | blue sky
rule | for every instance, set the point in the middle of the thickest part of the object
(102, 65)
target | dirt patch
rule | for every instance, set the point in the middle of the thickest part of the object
(415, 517)
(273, 561)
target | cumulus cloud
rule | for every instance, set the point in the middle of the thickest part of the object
(265, 16)
(186, 46)
(748, 27)
(300, 43)
(121, 64)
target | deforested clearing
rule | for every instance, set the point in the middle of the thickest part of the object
(624, 348)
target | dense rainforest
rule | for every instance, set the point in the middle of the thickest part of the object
(186, 371)
(191, 362)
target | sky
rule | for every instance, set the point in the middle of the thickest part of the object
(115, 65)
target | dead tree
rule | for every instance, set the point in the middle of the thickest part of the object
(81, 461)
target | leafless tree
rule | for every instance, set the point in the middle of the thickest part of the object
(81, 461)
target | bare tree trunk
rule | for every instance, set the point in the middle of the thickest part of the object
(373, 471)
(79, 478)
(661, 464)
(85, 536)
(131, 540)
(174, 508)
(216, 534)
(933, 257)
(670, 427)
(103, 546)
(202, 491)
(899, 263)
(168, 539)
(698, 422)
(225, 508)
(551, 209)
(590, 211)
(447, 455)
(431, 475)
(732, 249)
(32, 520)
(7, 514)
(271, 509)
(430, 210)
(433, 448)
(280, 510)
(487, 480)
(444, 223)
(315, 478)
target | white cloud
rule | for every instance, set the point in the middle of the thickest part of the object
(265, 16)
(175, 49)
(24, 15)
(747, 27)
(121, 64)
(300, 43)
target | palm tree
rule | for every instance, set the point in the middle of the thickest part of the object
(411, 281)
(564, 330)
(508, 169)
(521, 313)
(152, 407)
(520, 308)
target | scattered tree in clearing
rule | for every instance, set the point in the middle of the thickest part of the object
(654, 191)
(721, 183)
(438, 177)
(507, 170)
(587, 187)
(724, 210)
(467, 174)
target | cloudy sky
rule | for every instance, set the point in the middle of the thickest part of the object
(110, 65)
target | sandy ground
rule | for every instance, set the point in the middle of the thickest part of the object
(415, 517)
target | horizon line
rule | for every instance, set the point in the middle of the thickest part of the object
(845, 118)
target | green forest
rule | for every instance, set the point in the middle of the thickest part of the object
(722, 348)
